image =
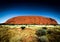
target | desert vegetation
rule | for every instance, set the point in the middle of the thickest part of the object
(29, 33)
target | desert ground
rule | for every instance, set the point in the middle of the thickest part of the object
(29, 33)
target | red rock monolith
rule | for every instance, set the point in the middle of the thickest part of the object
(31, 20)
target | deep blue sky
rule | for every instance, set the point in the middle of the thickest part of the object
(9, 10)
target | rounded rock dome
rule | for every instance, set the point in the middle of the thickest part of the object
(31, 20)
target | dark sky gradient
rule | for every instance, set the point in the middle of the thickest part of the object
(46, 9)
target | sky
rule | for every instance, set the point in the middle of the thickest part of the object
(46, 9)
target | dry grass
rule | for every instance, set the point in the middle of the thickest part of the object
(8, 34)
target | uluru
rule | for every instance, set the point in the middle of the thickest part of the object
(29, 34)
(31, 20)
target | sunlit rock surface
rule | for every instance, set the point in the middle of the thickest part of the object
(29, 34)
(30, 20)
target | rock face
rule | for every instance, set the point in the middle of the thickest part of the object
(28, 34)
(30, 20)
